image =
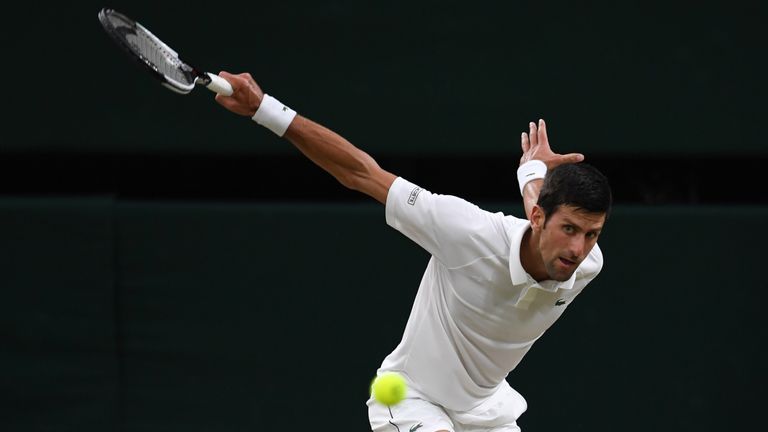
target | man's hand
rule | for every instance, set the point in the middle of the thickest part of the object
(246, 94)
(536, 147)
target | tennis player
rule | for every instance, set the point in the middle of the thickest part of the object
(494, 283)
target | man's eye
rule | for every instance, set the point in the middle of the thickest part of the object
(568, 229)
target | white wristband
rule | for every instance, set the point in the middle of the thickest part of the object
(531, 170)
(273, 115)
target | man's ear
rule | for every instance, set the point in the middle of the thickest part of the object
(537, 217)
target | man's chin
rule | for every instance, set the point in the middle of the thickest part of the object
(560, 272)
(561, 276)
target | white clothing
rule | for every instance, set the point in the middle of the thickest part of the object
(497, 413)
(477, 311)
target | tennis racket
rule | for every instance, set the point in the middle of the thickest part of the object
(160, 60)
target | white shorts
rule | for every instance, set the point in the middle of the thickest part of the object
(498, 413)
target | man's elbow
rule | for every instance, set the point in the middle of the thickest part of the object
(372, 181)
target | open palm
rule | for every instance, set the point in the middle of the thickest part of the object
(535, 145)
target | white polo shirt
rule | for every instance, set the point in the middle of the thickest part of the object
(477, 311)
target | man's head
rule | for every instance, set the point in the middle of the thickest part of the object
(574, 203)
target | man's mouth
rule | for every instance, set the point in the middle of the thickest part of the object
(567, 262)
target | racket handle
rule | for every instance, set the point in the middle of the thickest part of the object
(219, 85)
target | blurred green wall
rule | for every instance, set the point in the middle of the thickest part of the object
(403, 77)
(127, 315)
(159, 316)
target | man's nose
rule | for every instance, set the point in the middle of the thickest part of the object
(576, 247)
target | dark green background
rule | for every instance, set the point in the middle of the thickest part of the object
(403, 77)
(140, 316)
(235, 292)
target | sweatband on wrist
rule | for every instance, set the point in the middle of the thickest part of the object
(531, 170)
(273, 115)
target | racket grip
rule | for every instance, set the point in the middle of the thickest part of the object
(219, 85)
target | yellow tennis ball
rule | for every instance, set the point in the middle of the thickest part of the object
(389, 388)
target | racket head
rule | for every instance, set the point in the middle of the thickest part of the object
(157, 57)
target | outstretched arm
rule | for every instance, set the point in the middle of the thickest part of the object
(535, 145)
(351, 166)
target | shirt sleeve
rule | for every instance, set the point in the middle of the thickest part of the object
(453, 230)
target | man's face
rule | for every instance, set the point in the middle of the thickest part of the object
(568, 237)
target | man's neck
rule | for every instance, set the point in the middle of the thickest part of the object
(530, 257)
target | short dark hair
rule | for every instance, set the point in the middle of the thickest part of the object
(578, 185)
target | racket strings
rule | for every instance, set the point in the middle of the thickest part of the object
(152, 50)
(165, 61)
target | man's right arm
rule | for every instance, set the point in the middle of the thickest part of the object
(351, 166)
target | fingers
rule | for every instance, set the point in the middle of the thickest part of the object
(234, 80)
(542, 138)
(535, 145)
(246, 94)
(227, 102)
(536, 135)
(571, 158)
(575, 157)
(533, 134)
(226, 75)
(236, 85)
(524, 143)
(234, 102)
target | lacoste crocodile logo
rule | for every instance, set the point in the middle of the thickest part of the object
(560, 302)
(413, 428)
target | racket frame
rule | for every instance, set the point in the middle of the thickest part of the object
(213, 82)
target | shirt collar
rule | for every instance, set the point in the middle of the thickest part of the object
(518, 274)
